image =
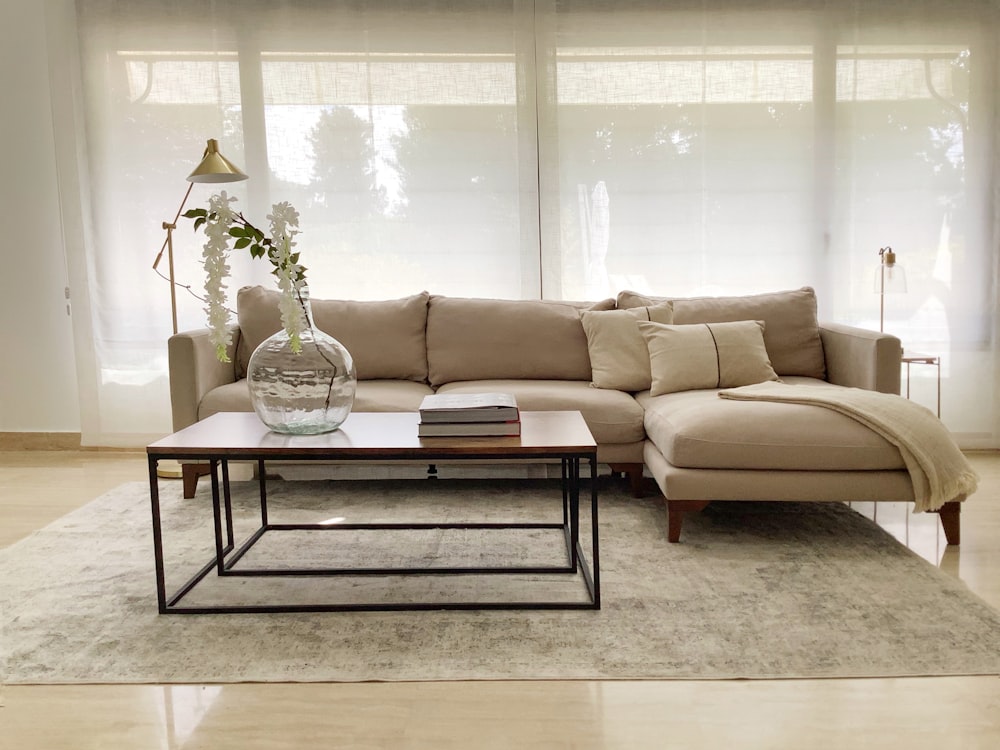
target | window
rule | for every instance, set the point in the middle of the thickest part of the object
(554, 148)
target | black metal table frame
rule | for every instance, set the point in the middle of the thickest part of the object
(227, 555)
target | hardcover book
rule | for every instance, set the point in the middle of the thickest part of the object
(469, 407)
(459, 429)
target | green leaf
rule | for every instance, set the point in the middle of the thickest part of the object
(199, 222)
(237, 232)
(195, 213)
(241, 243)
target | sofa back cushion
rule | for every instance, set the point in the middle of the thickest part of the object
(483, 339)
(385, 337)
(791, 326)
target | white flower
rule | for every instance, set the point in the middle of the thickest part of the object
(283, 215)
(221, 225)
(215, 256)
(290, 274)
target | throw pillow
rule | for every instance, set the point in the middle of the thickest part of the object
(706, 355)
(619, 358)
(792, 328)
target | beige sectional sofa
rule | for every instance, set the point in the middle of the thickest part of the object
(596, 358)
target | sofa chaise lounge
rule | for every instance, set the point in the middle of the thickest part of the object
(604, 359)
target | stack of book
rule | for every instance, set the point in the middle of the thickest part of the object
(457, 414)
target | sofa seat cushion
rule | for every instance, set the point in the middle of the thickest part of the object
(699, 430)
(372, 395)
(390, 395)
(612, 416)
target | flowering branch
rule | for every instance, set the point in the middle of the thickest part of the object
(222, 224)
(214, 256)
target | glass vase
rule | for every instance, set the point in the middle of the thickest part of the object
(304, 393)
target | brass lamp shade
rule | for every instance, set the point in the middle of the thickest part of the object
(214, 167)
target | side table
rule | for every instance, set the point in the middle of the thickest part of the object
(913, 358)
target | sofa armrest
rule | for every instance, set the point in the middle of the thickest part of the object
(859, 358)
(194, 371)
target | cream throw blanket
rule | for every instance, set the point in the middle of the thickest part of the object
(938, 470)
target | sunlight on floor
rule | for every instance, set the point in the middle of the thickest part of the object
(921, 532)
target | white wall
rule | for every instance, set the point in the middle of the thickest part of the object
(38, 383)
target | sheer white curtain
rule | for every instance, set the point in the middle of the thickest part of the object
(397, 129)
(735, 147)
(555, 148)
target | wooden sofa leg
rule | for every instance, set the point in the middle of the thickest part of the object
(675, 515)
(190, 474)
(634, 474)
(951, 522)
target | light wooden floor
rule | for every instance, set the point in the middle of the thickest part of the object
(957, 712)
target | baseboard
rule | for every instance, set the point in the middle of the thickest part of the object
(39, 441)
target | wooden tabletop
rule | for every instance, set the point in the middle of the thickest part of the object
(365, 434)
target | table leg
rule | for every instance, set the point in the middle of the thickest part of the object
(217, 516)
(154, 501)
(262, 482)
(564, 486)
(228, 498)
(574, 511)
(595, 560)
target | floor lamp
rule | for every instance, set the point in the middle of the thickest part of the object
(889, 278)
(213, 168)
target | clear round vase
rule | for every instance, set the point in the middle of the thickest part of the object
(304, 393)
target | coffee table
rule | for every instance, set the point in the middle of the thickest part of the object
(240, 436)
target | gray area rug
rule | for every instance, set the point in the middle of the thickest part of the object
(754, 591)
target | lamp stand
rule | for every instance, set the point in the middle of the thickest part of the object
(170, 266)
(212, 168)
(168, 246)
(171, 469)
